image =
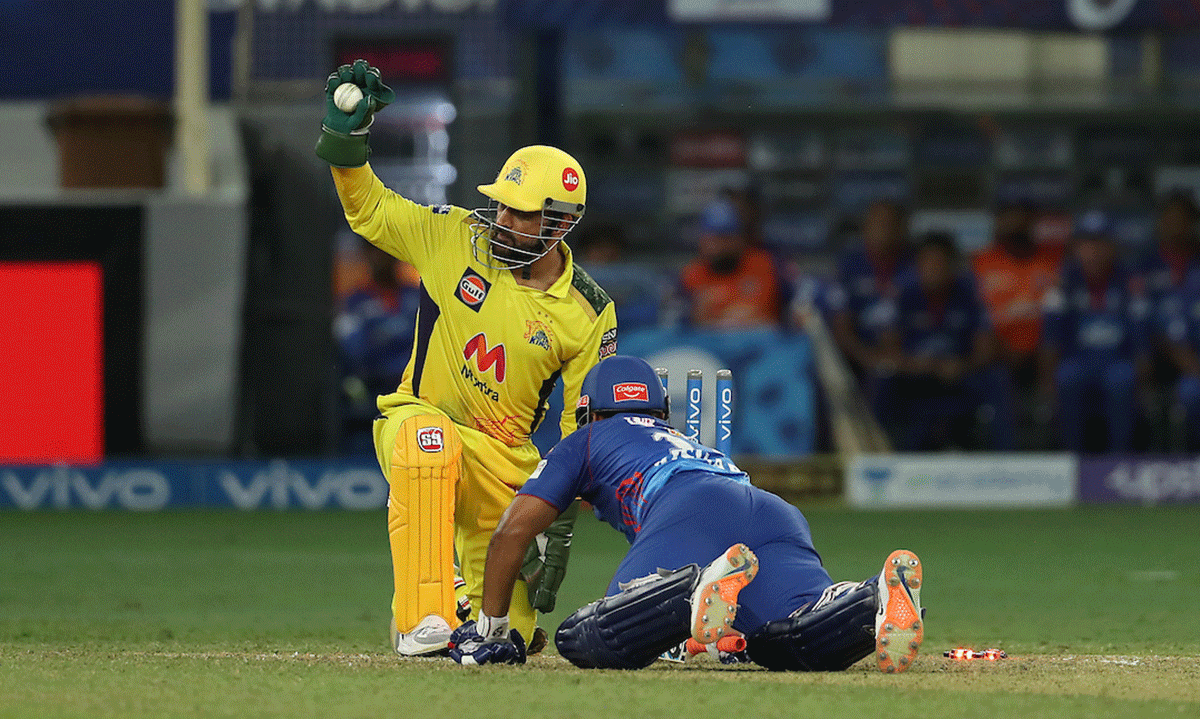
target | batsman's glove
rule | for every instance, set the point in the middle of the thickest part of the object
(470, 648)
(343, 141)
(545, 563)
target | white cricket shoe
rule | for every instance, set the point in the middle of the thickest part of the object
(430, 636)
(898, 627)
(714, 600)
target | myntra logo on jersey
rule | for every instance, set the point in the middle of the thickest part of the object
(430, 439)
(630, 392)
(486, 359)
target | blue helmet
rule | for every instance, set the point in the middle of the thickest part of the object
(620, 383)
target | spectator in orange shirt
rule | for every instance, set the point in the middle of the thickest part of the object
(731, 284)
(1013, 275)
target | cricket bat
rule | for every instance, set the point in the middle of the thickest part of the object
(855, 430)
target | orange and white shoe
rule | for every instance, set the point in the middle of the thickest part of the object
(898, 627)
(714, 600)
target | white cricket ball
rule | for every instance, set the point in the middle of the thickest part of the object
(346, 97)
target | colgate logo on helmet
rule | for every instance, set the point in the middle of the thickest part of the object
(430, 439)
(570, 179)
(631, 392)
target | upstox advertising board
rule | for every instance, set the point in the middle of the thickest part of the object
(950, 480)
(1140, 480)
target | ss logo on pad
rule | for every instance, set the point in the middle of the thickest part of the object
(429, 439)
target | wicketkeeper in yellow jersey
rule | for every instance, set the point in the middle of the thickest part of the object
(504, 315)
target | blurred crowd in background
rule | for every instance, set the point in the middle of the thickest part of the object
(990, 206)
(1074, 343)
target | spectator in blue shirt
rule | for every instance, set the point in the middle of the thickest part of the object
(858, 304)
(374, 330)
(1174, 256)
(868, 279)
(1096, 331)
(944, 354)
(1183, 335)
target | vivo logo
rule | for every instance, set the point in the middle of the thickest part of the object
(278, 485)
(63, 487)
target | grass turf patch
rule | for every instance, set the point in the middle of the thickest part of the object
(273, 614)
(216, 684)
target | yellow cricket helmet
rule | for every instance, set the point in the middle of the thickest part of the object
(538, 178)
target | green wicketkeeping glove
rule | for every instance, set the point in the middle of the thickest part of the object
(546, 560)
(343, 141)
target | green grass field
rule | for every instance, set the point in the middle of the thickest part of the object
(269, 614)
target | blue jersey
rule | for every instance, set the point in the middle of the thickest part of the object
(1111, 322)
(375, 331)
(867, 292)
(1182, 322)
(1164, 277)
(619, 465)
(943, 330)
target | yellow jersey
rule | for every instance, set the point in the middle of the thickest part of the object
(487, 351)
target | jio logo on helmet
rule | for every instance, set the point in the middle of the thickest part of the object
(570, 179)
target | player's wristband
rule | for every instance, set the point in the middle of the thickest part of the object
(342, 150)
(492, 629)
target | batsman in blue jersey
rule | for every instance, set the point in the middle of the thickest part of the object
(680, 504)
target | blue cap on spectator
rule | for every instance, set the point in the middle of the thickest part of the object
(1093, 223)
(721, 218)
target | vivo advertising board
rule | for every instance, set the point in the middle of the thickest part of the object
(152, 486)
(949, 480)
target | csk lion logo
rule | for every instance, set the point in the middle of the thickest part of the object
(516, 173)
(538, 333)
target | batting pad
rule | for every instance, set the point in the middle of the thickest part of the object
(423, 471)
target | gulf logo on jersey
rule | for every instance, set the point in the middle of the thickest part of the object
(570, 179)
(486, 358)
(430, 439)
(472, 289)
(630, 392)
